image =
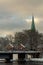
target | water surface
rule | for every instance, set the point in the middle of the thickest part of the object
(22, 63)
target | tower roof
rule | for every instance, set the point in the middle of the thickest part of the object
(33, 24)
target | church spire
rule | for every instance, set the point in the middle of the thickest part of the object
(33, 24)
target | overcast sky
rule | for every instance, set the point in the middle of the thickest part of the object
(15, 15)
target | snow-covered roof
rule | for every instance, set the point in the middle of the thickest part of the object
(11, 45)
(22, 45)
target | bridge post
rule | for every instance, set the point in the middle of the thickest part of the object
(21, 56)
(8, 60)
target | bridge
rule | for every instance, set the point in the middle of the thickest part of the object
(8, 55)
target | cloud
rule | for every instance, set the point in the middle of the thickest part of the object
(14, 12)
(23, 7)
(11, 23)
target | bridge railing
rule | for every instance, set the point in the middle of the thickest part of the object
(21, 52)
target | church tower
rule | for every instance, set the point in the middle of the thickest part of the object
(33, 24)
(33, 36)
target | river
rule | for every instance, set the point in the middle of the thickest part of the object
(22, 62)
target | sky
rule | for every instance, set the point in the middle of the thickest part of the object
(16, 15)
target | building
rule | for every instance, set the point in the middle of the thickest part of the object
(9, 47)
(33, 36)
